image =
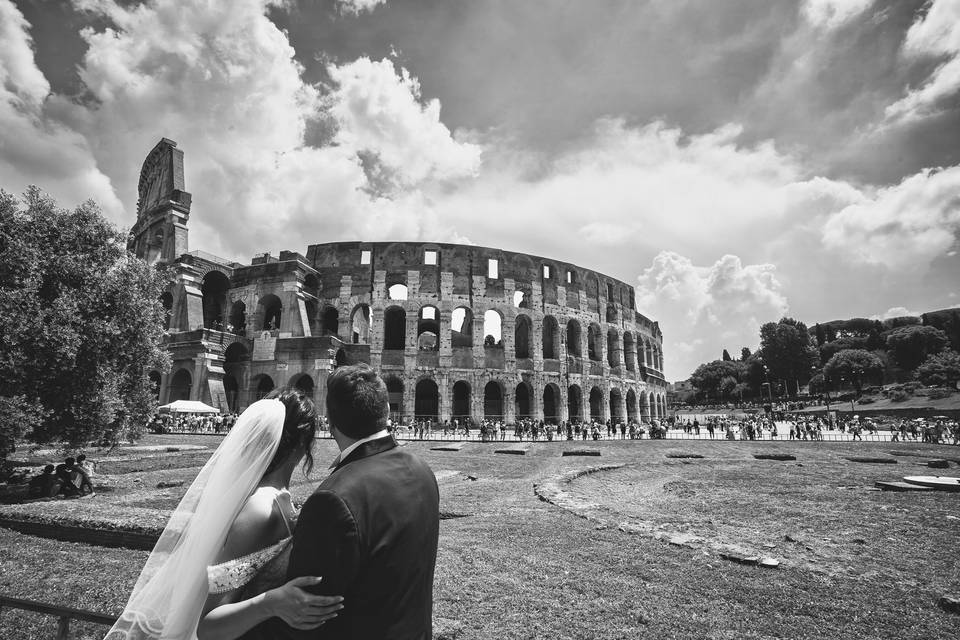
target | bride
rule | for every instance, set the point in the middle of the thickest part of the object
(219, 566)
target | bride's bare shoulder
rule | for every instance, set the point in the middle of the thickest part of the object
(254, 527)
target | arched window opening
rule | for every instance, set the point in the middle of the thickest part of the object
(596, 405)
(426, 404)
(232, 390)
(551, 397)
(593, 342)
(155, 380)
(631, 406)
(573, 338)
(574, 404)
(522, 401)
(613, 348)
(611, 313)
(167, 301)
(340, 358)
(521, 299)
(262, 384)
(550, 331)
(492, 401)
(428, 329)
(236, 352)
(311, 285)
(238, 318)
(492, 329)
(395, 396)
(394, 328)
(214, 289)
(461, 327)
(461, 400)
(616, 405)
(271, 308)
(360, 325)
(523, 335)
(651, 403)
(397, 292)
(648, 355)
(331, 321)
(180, 385)
(629, 351)
(304, 384)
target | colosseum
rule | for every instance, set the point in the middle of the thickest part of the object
(457, 331)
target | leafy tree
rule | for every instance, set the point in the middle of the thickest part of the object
(913, 344)
(80, 324)
(745, 354)
(941, 369)
(708, 376)
(855, 365)
(859, 326)
(727, 386)
(820, 334)
(829, 349)
(786, 351)
(874, 341)
(726, 356)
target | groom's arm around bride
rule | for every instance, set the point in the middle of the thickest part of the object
(371, 528)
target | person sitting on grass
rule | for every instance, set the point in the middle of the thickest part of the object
(45, 485)
(64, 473)
(82, 473)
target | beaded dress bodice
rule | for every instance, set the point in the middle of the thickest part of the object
(255, 572)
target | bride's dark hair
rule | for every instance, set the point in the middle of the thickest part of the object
(299, 427)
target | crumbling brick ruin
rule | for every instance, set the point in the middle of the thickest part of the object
(457, 331)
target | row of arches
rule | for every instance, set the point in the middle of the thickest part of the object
(181, 387)
(627, 350)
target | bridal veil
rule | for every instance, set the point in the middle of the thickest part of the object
(168, 598)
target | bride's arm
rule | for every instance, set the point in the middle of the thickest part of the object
(225, 618)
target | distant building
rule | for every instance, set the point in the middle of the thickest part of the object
(457, 331)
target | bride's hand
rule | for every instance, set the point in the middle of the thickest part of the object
(300, 609)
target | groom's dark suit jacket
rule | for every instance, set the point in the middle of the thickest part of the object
(370, 529)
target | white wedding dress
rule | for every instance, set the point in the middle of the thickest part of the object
(169, 595)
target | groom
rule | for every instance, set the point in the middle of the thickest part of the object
(371, 528)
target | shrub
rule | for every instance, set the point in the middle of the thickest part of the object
(899, 395)
(866, 400)
(939, 394)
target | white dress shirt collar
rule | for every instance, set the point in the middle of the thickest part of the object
(346, 452)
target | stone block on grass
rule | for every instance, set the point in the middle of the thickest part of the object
(684, 455)
(896, 485)
(774, 456)
(513, 451)
(580, 452)
(450, 446)
(870, 460)
(938, 464)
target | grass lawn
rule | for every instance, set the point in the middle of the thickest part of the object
(855, 563)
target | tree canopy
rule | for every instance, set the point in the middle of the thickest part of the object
(855, 365)
(709, 377)
(941, 369)
(787, 352)
(80, 324)
(912, 344)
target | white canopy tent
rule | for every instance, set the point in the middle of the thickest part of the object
(188, 406)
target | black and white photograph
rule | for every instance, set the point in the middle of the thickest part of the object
(479, 319)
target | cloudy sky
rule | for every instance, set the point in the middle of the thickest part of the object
(736, 160)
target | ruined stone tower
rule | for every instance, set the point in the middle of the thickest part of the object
(163, 206)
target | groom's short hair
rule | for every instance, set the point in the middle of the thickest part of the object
(357, 401)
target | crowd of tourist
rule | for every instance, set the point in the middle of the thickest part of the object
(192, 422)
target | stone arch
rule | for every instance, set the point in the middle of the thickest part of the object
(631, 405)
(238, 317)
(492, 328)
(523, 336)
(596, 404)
(394, 328)
(644, 401)
(360, 324)
(330, 320)
(550, 335)
(616, 405)
(575, 403)
(181, 384)
(303, 383)
(231, 389)
(461, 400)
(426, 401)
(340, 358)
(397, 291)
(428, 329)
(613, 347)
(574, 338)
(261, 385)
(612, 313)
(461, 327)
(629, 351)
(493, 400)
(551, 403)
(271, 310)
(652, 405)
(647, 354)
(594, 342)
(214, 287)
(523, 401)
(394, 395)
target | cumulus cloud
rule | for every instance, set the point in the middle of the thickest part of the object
(703, 309)
(895, 312)
(222, 80)
(831, 14)
(358, 6)
(33, 148)
(905, 226)
(935, 35)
